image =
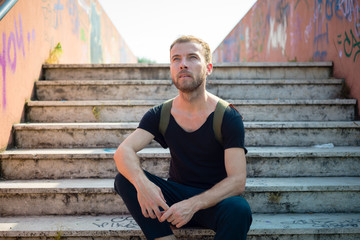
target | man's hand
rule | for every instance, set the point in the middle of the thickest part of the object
(180, 213)
(150, 199)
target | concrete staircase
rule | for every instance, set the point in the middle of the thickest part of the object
(58, 181)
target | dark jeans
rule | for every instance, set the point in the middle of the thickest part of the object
(230, 219)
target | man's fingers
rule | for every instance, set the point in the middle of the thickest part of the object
(166, 215)
(144, 212)
(164, 206)
(151, 213)
(179, 225)
(162, 196)
(157, 213)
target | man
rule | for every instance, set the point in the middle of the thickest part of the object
(206, 177)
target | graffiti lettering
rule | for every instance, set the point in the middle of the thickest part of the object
(329, 15)
(324, 223)
(58, 7)
(346, 6)
(320, 37)
(9, 56)
(282, 11)
(19, 37)
(332, 7)
(278, 37)
(118, 222)
(74, 14)
(13, 62)
(3, 67)
(349, 44)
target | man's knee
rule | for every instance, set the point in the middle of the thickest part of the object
(236, 209)
(121, 184)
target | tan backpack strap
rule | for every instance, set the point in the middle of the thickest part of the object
(218, 117)
(165, 116)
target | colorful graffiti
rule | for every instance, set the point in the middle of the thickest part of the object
(54, 11)
(301, 30)
(95, 41)
(350, 44)
(73, 11)
(343, 10)
(58, 8)
(12, 46)
(284, 25)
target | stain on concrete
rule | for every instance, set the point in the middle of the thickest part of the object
(96, 112)
(275, 197)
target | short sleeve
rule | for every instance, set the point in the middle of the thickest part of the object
(150, 122)
(232, 129)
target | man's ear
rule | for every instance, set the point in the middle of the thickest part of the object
(209, 68)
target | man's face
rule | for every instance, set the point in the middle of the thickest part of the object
(188, 67)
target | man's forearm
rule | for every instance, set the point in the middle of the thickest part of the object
(128, 164)
(228, 187)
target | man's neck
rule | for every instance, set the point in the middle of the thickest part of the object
(192, 101)
(195, 102)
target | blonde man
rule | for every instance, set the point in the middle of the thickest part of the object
(206, 177)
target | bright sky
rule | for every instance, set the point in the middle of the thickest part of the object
(150, 26)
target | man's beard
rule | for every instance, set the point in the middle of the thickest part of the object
(190, 86)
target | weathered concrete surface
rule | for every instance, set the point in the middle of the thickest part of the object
(134, 110)
(106, 72)
(281, 179)
(163, 89)
(161, 71)
(271, 89)
(264, 226)
(96, 196)
(110, 135)
(99, 163)
(105, 90)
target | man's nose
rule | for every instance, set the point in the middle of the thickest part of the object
(183, 64)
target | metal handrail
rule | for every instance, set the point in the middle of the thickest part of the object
(5, 6)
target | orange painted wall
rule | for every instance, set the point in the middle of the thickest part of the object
(299, 30)
(31, 29)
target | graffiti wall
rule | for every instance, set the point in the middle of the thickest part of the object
(52, 31)
(299, 30)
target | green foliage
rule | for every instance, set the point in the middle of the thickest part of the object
(145, 60)
(2, 150)
(54, 55)
(293, 60)
(58, 235)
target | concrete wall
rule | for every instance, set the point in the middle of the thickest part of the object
(28, 34)
(299, 30)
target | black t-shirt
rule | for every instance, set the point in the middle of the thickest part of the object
(197, 158)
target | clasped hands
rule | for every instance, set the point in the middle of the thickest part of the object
(151, 200)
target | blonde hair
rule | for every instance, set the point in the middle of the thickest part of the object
(188, 38)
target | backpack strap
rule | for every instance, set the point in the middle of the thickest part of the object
(165, 116)
(217, 121)
(218, 117)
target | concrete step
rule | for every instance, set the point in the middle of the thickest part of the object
(133, 110)
(269, 89)
(99, 163)
(162, 72)
(264, 227)
(97, 196)
(110, 135)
